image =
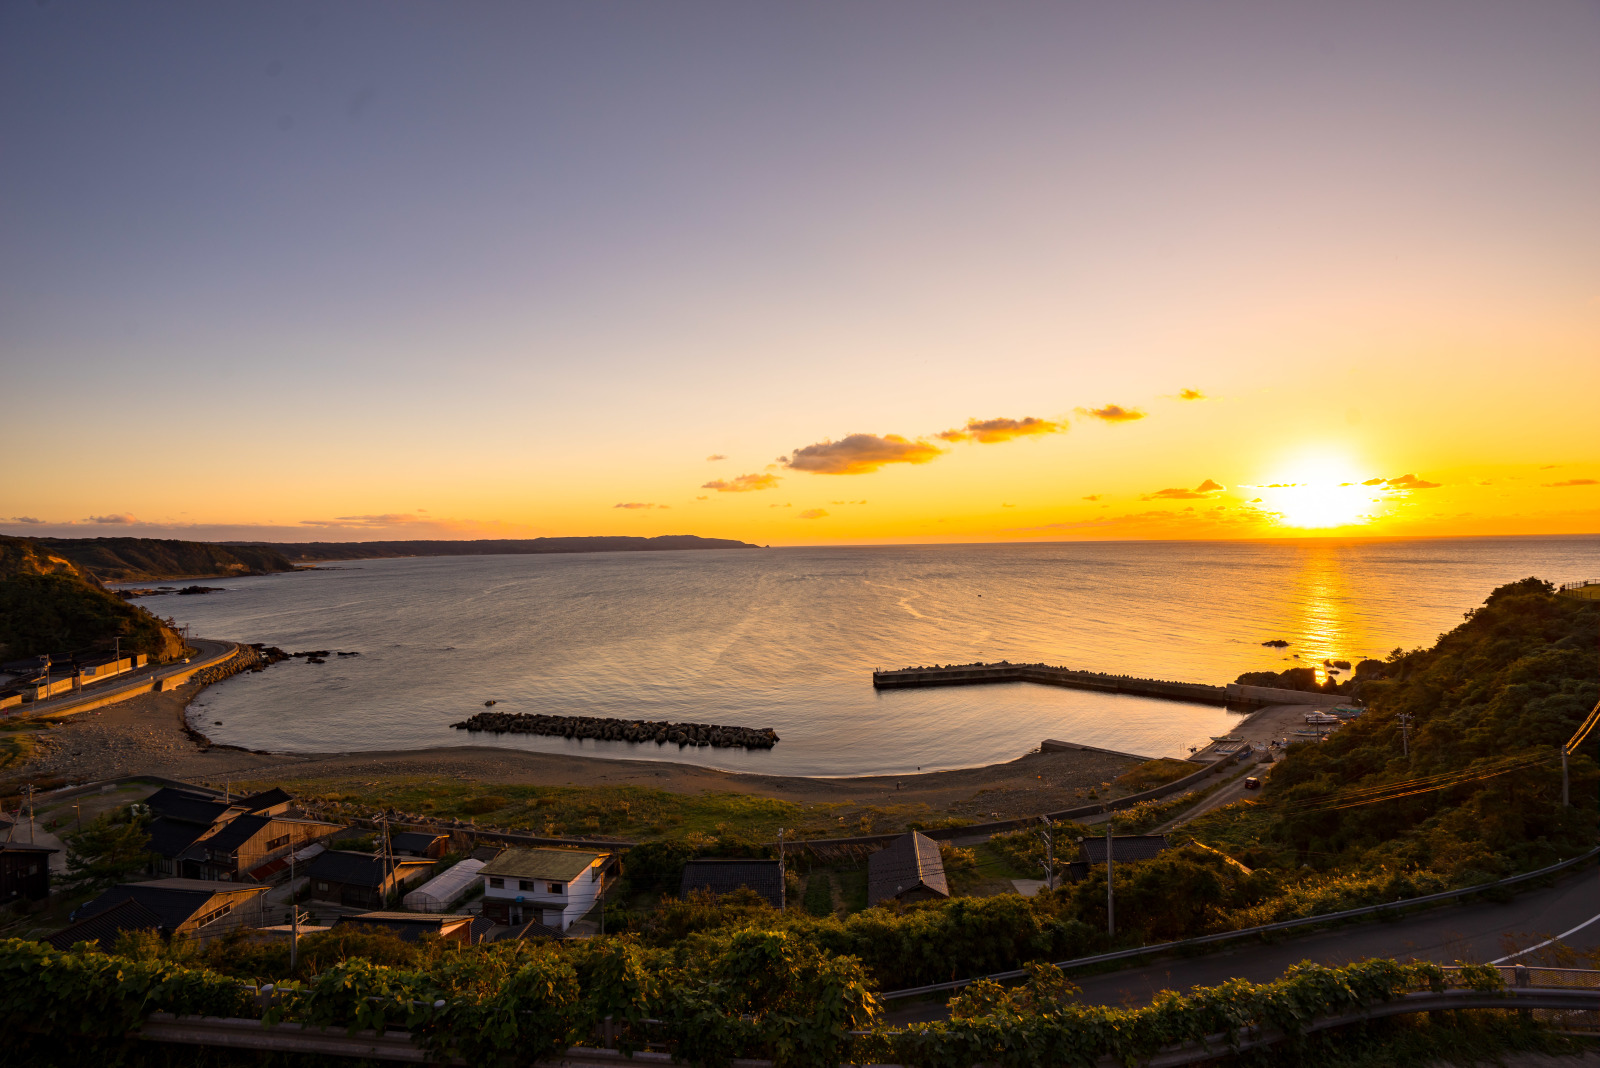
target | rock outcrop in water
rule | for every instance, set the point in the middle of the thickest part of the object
(621, 730)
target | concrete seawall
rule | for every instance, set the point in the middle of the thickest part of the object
(976, 674)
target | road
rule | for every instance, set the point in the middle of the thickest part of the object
(1473, 933)
(208, 651)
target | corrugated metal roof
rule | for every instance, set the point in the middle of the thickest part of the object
(174, 901)
(721, 876)
(104, 927)
(562, 865)
(185, 806)
(414, 841)
(908, 863)
(358, 869)
(170, 837)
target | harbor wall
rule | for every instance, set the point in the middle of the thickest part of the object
(1200, 693)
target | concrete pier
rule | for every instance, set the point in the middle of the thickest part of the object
(974, 674)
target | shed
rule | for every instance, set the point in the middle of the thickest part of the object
(24, 871)
(718, 876)
(907, 869)
(1124, 848)
(446, 888)
(419, 844)
(104, 928)
(192, 907)
(361, 880)
(411, 926)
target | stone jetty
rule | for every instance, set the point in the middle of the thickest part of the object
(621, 730)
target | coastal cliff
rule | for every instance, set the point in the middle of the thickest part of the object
(148, 559)
(49, 604)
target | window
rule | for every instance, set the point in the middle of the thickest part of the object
(215, 914)
(558, 888)
(322, 886)
(278, 842)
(496, 883)
(526, 884)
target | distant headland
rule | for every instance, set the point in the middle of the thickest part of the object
(306, 552)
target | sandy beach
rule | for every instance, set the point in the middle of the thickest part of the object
(146, 735)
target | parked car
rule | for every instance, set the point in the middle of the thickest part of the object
(1252, 783)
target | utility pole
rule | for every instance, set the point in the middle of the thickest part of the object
(1049, 853)
(294, 918)
(1405, 736)
(1566, 800)
(783, 877)
(30, 813)
(1111, 891)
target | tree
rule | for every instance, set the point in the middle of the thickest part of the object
(108, 850)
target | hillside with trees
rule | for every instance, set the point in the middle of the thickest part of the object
(372, 550)
(49, 604)
(148, 559)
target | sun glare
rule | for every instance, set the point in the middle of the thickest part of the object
(1321, 492)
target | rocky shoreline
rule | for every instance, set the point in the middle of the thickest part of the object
(621, 730)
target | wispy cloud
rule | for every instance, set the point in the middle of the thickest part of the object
(716, 456)
(1573, 482)
(859, 454)
(847, 502)
(742, 484)
(990, 431)
(1191, 394)
(1094, 496)
(1203, 492)
(814, 513)
(388, 519)
(119, 520)
(639, 504)
(28, 520)
(1113, 413)
(1411, 482)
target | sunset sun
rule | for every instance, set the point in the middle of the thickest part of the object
(1321, 492)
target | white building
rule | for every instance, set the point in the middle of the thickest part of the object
(553, 887)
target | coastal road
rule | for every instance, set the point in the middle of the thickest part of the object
(1475, 933)
(208, 652)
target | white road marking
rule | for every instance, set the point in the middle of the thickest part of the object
(1546, 942)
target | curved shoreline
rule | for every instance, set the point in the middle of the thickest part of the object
(149, 735)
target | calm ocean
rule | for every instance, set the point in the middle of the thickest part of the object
(788, 638)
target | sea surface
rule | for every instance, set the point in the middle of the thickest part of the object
(788, 639)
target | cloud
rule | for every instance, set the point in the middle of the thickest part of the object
(859, 454)
(388, 519)
(990, 431)
(1374, 482)
(702, 498)
(637, 504)
(1203, 492)
(1113, 413)
(1410, 482)
(814, 513)
(1573, 482)
(847, 502)
(742, 484)
(715, 456)
(122, 520)
(1191, 394)
(1094, 496)
(28, 519)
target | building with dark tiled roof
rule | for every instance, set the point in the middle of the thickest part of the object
(719, 876)
(198, 836)
(24, 871)
(193, 908)
(1125, 848)
(907, 869)
(105, 927)
(362, 880)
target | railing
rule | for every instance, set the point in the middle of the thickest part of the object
(1569, 999)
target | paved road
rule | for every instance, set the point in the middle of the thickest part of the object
(207, 652)
(1474, 933)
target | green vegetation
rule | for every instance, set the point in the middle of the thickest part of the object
(138, 559)
(748, 993)
(50, 605)
(107, 851)
(1153, 773)
(819, 894)
(373, 550)
(1505, 688)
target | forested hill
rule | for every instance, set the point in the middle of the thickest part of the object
(1474, 788)
(369, 550)
(144, 559)
(49, 604)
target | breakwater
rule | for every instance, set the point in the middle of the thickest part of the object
(621, 730)
(971, 674)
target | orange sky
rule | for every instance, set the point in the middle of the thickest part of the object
(918, 273)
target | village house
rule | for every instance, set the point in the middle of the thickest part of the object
(195, 835)
(191, 908)
(551, 887)
(419, 844)
(717, 876)
(907, 869)
(411, 927)
(362, 880)
(24, 871)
